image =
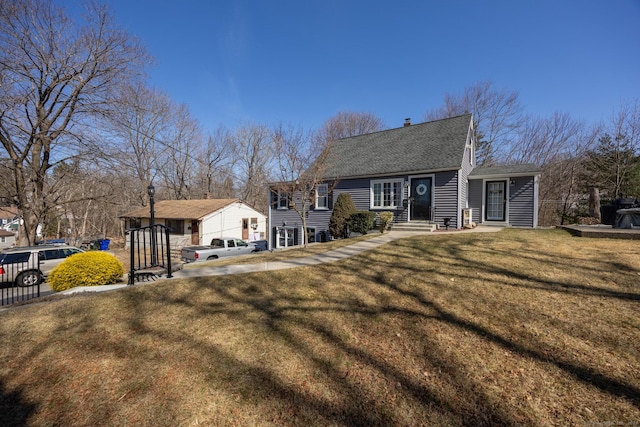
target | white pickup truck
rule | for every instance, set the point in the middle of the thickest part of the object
(220, 247)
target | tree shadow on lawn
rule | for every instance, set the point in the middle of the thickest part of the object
(321, 353)
(289, 317)
(459, 254)
(298, 323)
(14, 408)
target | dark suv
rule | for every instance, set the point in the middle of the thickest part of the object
(29, 265)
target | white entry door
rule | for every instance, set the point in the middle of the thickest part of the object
(496, 201)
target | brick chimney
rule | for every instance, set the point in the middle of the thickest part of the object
(407, 122)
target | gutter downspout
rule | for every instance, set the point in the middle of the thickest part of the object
(269, 228)
(536, 186)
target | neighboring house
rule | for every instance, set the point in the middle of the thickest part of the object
(7, 239)
(196, 222)
(9, 218)
(424, 173)
(9, 225)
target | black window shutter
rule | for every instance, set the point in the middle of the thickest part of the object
(330, 200)
(296, 236)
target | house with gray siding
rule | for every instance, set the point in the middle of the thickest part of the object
(423, 173)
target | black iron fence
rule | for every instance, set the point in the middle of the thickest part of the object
(16, 271)
(150, 252)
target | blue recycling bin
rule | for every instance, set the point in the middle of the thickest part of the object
(104, 244)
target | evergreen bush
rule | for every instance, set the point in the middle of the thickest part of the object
(342, 210)
(362, 221)
(86, 269)
(385, 220)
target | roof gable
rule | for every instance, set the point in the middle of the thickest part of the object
(430, 146)
(181, 209)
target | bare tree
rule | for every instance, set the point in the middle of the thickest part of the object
(213, 172)
(613, 164)
(74, 215)
(497, 115)
(301, 166)
(562, 188)
(252, 153)
(346, 124)
(140, 130)
(541, 140)
(179, 171)
(55, 75)
(302, 159)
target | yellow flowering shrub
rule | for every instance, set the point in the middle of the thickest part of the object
(385, 220)
(93, 268)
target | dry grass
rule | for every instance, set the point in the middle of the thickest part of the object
(283, 254)
(516, 328)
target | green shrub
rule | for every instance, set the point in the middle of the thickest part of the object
(86, 269)
(385, 220)
(362, 221)
(342, 210)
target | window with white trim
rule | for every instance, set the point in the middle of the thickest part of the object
(283, 200)
(322, 196)
(386, 194)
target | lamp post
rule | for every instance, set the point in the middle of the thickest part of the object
(151, 191)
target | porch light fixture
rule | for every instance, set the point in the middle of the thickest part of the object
(151, 191)
(512, 182)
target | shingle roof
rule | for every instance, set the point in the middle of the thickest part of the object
(430, 146)
(519, 169)
(181, 209)
(8, 212)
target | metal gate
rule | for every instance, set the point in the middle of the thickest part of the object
(150, 252)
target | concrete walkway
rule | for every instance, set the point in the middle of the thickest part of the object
(330, 256)
(334, 255)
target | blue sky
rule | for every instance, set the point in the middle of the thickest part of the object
(303, 61)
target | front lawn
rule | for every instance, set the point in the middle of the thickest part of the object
(520, 327)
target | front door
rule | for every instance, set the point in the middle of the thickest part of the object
(195, 232)
(421, 199)
(245, 228)
(496, 201)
